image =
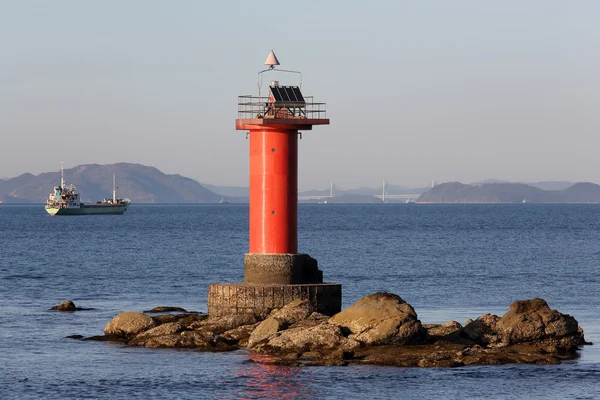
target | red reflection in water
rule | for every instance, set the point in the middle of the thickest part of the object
(273, 381)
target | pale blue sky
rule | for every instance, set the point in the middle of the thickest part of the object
(419, 90)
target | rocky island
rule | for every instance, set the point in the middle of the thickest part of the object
(380, 328)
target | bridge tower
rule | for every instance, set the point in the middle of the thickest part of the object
(274, 272)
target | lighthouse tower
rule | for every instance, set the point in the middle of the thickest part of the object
(274, 272)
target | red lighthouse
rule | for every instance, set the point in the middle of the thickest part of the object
(274, 272)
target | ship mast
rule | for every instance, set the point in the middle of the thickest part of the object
(62, 175)
(114, 190)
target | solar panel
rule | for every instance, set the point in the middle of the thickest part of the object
(287, 96)
(297, 94)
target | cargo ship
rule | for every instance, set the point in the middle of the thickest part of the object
(64, 200)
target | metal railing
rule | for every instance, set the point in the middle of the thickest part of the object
(253, 107)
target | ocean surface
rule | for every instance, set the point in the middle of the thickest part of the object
(450, 262)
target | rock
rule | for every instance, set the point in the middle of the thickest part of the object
(381, 318)
(160, 342)
(128, 324)
(69, 306)
(240, 335)
(320, 337)
(341, 354)
(166, 309)
(533, 320)
(224, 323)
(483, 329)
(378, 329)
(293, 312)
(161, 330)
(65, 306)
(74, 337)
(264, 330)
(197, 340)
(450, 330)
(185, 319)
(316, 316)
(439, 359)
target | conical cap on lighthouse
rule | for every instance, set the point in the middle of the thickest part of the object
(272, 60)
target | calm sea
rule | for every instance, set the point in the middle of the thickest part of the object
(450, 262)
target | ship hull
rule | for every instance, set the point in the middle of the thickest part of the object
(93, 209)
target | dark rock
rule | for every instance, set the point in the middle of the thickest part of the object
(185, 319)
(439, 359)
(74, 337)
(69, 306)
(240, 335)
(162, 309)
(104, 338)
(381, 318)
(65, 306)
(316, 316)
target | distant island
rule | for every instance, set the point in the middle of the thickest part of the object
(146, 184)
(506, 193)
(139, 183)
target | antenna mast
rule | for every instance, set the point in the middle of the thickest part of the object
(271, 62)
(114, 190)
(62, 174)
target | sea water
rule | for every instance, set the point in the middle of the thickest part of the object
(450, 262)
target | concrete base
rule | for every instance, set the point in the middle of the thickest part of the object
(281, 269)
(241, 298)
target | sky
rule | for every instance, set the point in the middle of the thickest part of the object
(415, 90)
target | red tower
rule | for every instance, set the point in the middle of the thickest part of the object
(274, 123)
(274, 272)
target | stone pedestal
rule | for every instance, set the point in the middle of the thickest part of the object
(281, 269)
(260, 299)
(271, 281)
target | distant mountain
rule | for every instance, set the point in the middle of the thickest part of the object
(544, 185)
(455, 192)
(552, 185)
(583, 192)
(395, 189)
(139, 183)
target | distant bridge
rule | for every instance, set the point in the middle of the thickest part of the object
(384, 196)
(405, 197)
